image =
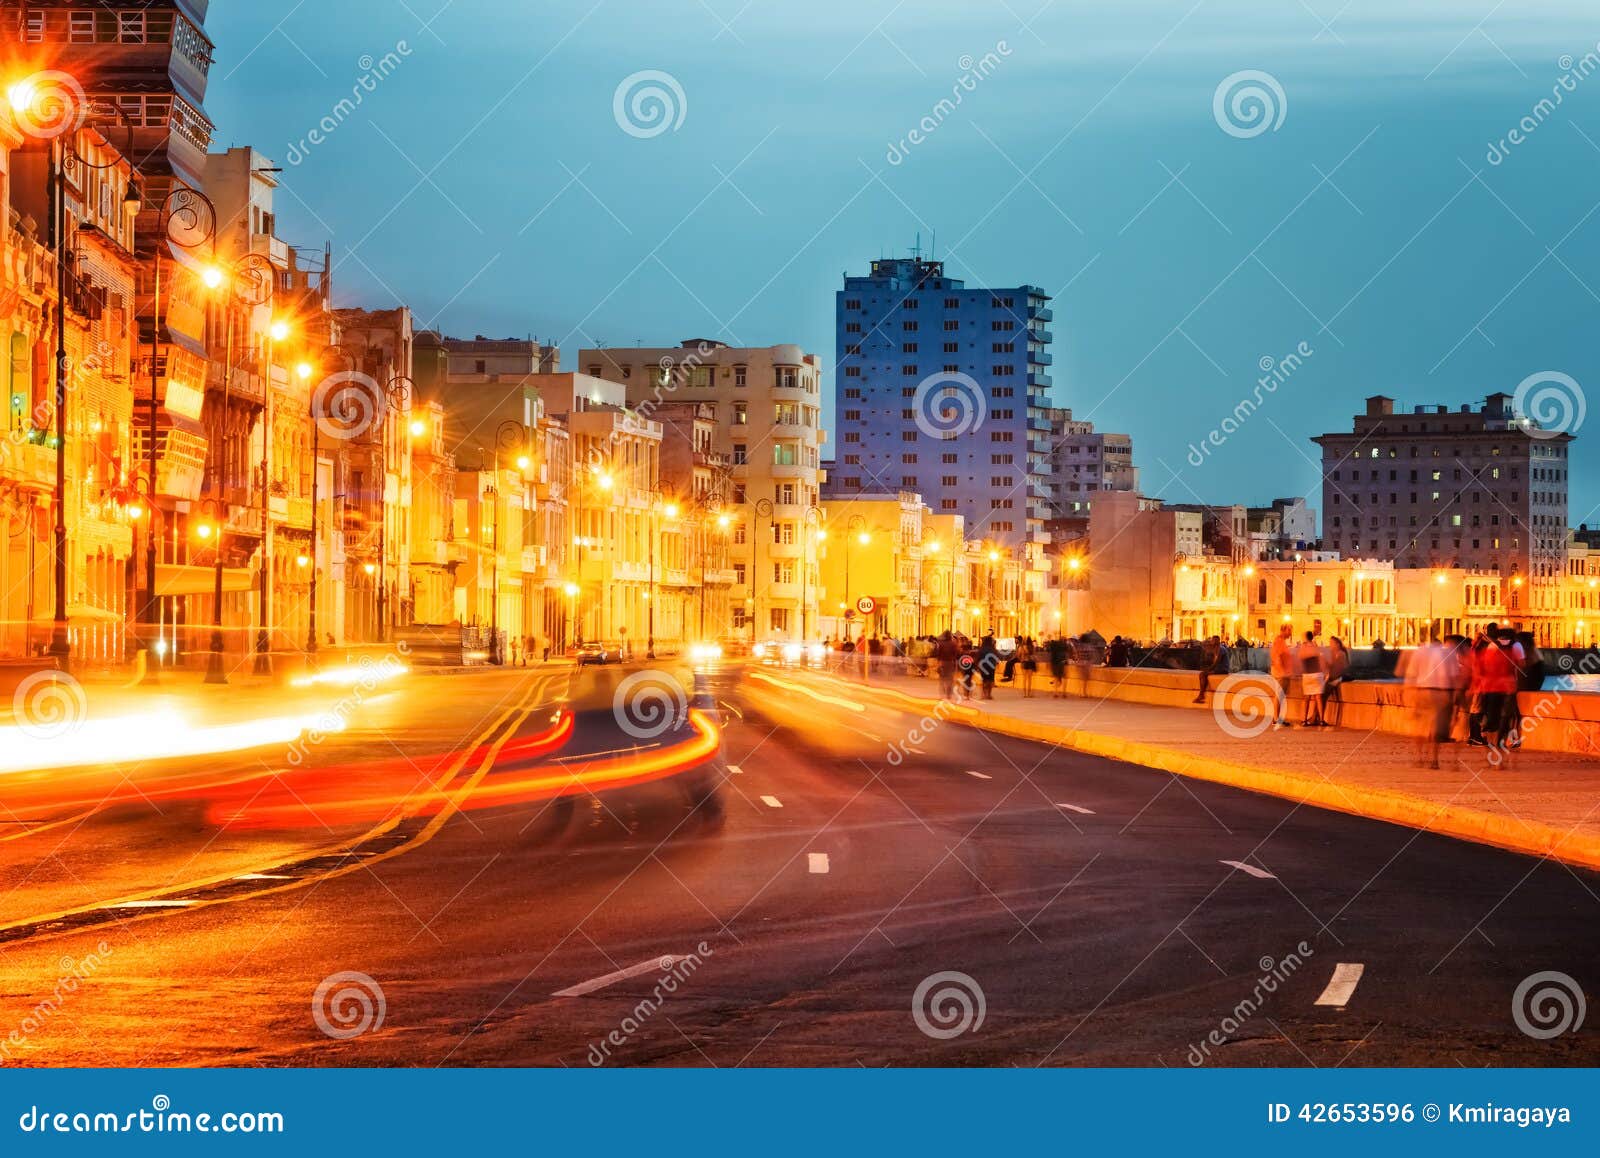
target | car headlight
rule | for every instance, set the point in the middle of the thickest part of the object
(760, 650)
(791, 651)
(818, 652)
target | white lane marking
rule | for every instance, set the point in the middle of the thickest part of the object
(1342, 985)
(152, 905)
(979, 775)
(772, 802)
(1075, 808)
(1263, 874)
(735, 769)
(263, 877)
(660, 964)
(819, 862)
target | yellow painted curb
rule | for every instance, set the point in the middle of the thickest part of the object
(1403, 808)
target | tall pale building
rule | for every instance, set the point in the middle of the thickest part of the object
(768, 414)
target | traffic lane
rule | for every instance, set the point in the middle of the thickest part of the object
(158, 828)
(800, 988)
(518, 896)
(1333, 878)
(524, 903)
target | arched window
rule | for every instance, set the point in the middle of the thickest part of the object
(1261, 592)
(1342, 591)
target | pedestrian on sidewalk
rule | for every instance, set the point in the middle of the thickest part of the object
(1474, 690)
(1501, 666)
(1029, 662)
(945, 654)
(1284, 670)
(1338, 671)
(1530, 683)
(1433, 675)
(1214, 660)
(988, 660)
(1313, 680)
(1057, 650)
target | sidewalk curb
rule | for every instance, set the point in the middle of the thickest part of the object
(1402, 808)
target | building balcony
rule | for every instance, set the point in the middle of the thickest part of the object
(1037, 335)
(796, 431)
(1040, 445)
(1042, 358)
(795, 471)
(1038, 377)
(30, 465)
(1041, 314)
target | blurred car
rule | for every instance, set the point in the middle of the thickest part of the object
(588, 653)
(790, 654)
(705, 652)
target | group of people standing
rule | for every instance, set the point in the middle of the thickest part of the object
(965, 667)
(1311, 672)
(1477, 680)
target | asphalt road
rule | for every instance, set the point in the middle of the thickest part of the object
(779, 903)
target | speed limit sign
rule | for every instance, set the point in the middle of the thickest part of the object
(866, 605)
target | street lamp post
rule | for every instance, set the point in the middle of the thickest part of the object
(670, 510)
(188, 220)
(811, 518)
(855, 529)
(397, 392)
(277, 331)
(254, 272)
(329, 401)
(763, 511)
(492, 494)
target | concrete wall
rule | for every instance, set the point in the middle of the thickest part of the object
(1560, 721)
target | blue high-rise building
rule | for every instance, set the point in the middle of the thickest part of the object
(945, 390)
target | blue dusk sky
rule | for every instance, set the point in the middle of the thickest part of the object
(499, 180)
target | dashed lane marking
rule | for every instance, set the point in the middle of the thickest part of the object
(1263, 874)
(1077, 809)
(735, 770)
(819, 862)
(979, 775)
(1342, 985)
(772, 802)
(660, 964)
(152, 905)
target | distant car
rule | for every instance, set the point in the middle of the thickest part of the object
(780, 654)
(588, 653)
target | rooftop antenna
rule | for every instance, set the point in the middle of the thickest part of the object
(933, 245)
(916, 252)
